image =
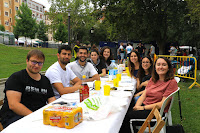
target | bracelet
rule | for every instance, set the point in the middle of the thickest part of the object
(144, 108)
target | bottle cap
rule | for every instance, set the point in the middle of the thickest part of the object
(83, 76)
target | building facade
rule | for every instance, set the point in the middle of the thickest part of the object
(37, 10)
(8, 12)
(48, 23)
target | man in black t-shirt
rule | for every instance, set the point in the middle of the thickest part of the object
(26, 90)
(140, 49)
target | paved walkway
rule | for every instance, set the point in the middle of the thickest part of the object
(1, 91)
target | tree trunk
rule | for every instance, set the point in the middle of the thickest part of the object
(161, 46)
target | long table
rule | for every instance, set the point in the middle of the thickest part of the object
(33, 123)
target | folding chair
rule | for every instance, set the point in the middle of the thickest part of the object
(1, 127)
(159, 123)
(169, 117)
(165, 118)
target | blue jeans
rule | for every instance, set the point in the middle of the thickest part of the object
(136, 98)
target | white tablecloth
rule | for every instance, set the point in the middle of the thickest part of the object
(33, 123)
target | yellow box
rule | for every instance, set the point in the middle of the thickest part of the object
(62, 116)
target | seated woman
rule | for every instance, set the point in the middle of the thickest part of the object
(160, 86)
(106, 56)
(99, 64)
(143, 76)
(134, 63)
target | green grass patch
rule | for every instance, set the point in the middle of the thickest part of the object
(13, 59)
(190, 106)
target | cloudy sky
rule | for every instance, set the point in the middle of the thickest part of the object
(43, 2)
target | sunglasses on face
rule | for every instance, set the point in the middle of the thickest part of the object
(35, 62)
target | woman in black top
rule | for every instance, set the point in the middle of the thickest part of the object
(144, 73)
(134, 63)
(99, 64)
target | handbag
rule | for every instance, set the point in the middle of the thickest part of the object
(176, 128)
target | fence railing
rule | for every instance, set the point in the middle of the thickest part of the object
(184, 67)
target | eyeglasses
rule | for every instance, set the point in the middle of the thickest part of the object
(146, 62)
(35, 62)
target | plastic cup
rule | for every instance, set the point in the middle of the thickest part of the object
(97, 84)
(106, 90)
(119, 76)
(116, 82)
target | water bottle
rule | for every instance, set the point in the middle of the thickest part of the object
(113, 65)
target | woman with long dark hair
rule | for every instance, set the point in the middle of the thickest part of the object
(106, 56)
(134, 63)
(160, 86)
(144, 73)
(98, 64)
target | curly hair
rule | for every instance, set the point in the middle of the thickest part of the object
(131, 65)
(169, 75)
(109, 58)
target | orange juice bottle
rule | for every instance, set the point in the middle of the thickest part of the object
(46, 115)
(54, 118)
(61, 122)
(72, 117)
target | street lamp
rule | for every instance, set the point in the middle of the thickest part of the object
(69, 10)
(92, 34)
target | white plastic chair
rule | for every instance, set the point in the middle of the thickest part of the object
(165, 118)
(169, 112)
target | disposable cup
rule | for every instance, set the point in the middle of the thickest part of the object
(97, 84)
(119, 76)
(106, 90)
(116, 82)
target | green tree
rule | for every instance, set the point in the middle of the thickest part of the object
(194, 21)
(42, 29)
(25, 24)
(61, 31)
(2, 28)
(82, 18)
(155, 20)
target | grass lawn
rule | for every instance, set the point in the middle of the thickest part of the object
(13, 59)
(190, 106)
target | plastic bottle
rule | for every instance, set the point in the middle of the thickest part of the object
(84, 90)
(113, 65)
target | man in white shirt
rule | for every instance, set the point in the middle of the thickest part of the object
(122, 54)
(81, 67)
(152, 51)
(128, 49)
(60, 76)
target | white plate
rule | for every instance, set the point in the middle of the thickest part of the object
(71, 96)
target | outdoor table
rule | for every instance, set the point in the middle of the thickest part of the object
(33, 123)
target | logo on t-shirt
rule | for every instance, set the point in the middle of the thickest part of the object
(36, 90)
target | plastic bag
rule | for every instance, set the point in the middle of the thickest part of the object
(96, 108)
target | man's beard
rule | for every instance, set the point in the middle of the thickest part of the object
(82, 60)
(64, 62)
